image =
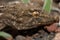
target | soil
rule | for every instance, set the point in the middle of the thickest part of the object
(27, 21)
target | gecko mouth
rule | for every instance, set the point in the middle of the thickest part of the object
(27, 32)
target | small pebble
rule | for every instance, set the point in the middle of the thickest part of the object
(57, 37)
(19, 37)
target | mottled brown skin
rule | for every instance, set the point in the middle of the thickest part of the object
(21, 17)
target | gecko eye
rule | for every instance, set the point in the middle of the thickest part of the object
(35, 14)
